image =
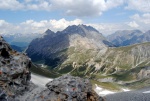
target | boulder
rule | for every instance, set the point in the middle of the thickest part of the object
(68, 88)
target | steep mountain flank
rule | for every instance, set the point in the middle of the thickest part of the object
(124, 60)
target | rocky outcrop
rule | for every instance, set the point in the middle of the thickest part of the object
(14, 72)
(144, 73)
(67, 88)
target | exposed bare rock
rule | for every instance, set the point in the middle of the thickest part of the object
(144, 73)
(14, 72)
(67, 88)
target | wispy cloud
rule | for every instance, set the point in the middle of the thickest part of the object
(144, 18)
(133, 24)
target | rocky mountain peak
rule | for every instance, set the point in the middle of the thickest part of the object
(74, 29)
(127, 32)
(147, 32)
(89, 28)
(80, 29)
(48, 31)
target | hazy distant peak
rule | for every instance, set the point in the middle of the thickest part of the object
(147, 31)
(127, 31)
(128, 37)
(48, 31)
(79, 29)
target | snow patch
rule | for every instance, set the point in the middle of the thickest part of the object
(125, 89)
(146, 92)
(102, 92)
(40, 80)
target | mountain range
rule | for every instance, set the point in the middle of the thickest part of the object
(83, 51)
(20, 40)
(129, 37)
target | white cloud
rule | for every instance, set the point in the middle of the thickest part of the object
(133, 24)
(145, 18)
(85, 8)
(76, 7)
(6, 27)
(10, 4)
(62, 23)
(31, 26)
(141, 21)
(54, 25)
(2, 23)
(70, 7)
(109, 28)
(38, 5)
(139, 5)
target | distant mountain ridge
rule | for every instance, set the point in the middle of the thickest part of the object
(20, 40)
(17, 48)
(129, 37)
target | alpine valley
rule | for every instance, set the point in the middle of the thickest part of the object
(81, 50)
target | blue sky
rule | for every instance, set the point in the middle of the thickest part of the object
(107, 16)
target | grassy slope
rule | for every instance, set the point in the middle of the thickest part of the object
(115, 58)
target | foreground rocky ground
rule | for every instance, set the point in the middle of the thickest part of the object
(15, 84)
(66, 88)
(137, 95)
